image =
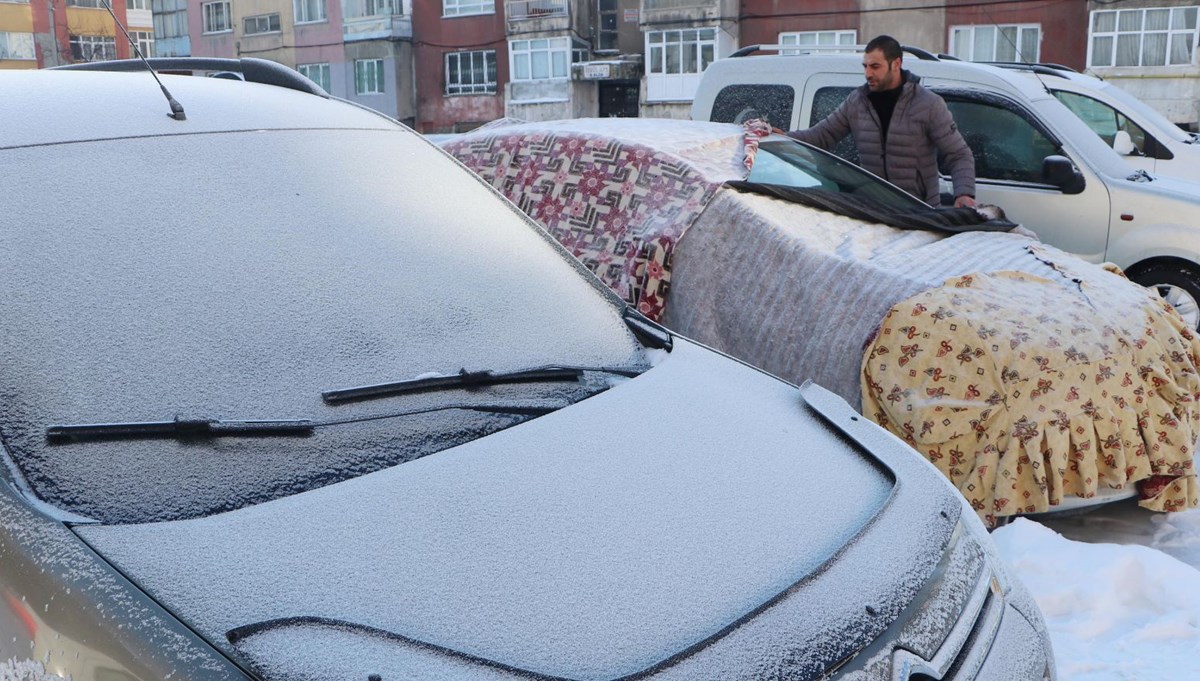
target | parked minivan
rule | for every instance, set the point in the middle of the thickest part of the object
(1034, 158)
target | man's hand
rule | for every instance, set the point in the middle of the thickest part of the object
(964, 201)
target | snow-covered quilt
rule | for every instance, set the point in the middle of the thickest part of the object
(801, 293)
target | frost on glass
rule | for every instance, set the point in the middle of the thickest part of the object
(318, 261)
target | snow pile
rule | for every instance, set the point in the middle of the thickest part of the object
(1115, 612)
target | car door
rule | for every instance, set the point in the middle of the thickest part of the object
(1010, 145)
(1106, 121)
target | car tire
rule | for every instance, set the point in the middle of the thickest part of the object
(1178, 282)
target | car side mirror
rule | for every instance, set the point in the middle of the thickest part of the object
(1123, 144)
(1060, 172)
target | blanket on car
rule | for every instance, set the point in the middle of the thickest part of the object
(618, 206)
(1076, 388)
(798, 292)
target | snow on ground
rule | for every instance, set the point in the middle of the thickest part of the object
(1119, 588)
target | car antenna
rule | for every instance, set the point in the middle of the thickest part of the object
(176, 108)
(1017, 50)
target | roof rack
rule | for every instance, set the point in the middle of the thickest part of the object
(923, 55)
(252, 69)
(1040, 69)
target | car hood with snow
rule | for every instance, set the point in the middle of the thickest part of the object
(570, 548)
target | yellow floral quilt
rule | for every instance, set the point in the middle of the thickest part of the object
(1087, 381)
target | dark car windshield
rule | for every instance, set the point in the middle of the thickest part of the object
(788, 163)
(233, 278)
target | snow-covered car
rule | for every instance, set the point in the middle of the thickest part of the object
(308, 401)
(1034, 380)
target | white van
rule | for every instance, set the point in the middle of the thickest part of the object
(1133, 128)
(1034, 158)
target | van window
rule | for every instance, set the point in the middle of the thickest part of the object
(737, 103)
(824, 102)
(1005, 144)
(1105, 121)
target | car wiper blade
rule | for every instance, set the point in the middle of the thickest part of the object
(178, 428)
(470, 379)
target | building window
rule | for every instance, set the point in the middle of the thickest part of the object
(217, 18)
(144, 41)
(457, 8)
(261, 23)
(675, 60)
(606, 32)
(540, 59)
(137, 4)
(317, 73)
(170, 24)
(471, 73)
(681, 52)
(352, 9)
(97, 4)
(309, 11)
(93, 47)
(825, 40)
(1012, 42)
(1142, 37)
(16, 46)
(368, 76)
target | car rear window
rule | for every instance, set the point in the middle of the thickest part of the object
(739, 103)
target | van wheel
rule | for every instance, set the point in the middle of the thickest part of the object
(1178, 283)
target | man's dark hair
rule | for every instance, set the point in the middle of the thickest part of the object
(889, 45)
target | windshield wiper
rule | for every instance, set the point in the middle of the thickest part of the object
(178, 428)
(1140, 175)
(470, 379)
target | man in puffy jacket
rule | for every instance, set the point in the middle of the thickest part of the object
(899, 127)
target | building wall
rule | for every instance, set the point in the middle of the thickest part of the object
(913, 22)
(213, 44)
(18, 18)
(1173, 90)
(763, 20)
(1063, 26)
(434, 36)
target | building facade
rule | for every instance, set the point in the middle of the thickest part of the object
(42, 33)
(461, 55)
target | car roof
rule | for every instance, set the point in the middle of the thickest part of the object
(773, 68)
(54, 107)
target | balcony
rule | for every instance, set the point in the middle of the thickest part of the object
(535, 9)
(376, 19)
(656, 5)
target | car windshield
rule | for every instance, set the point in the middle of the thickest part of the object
(788, 163)
(196, 308)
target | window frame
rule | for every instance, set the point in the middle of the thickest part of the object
(27, 40)
(1189, 36)
(524, 50)
(665, 85)
(968, 53)
(373, 75)
(107, 43)
(144, 41)
(209, 18)
(839, 36)
(298, 5)
(324, 80)
(467, 8)
(456, 87)
(258, 19)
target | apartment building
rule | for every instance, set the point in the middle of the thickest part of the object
(461, 63)
(41, 33)
(359, 50)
